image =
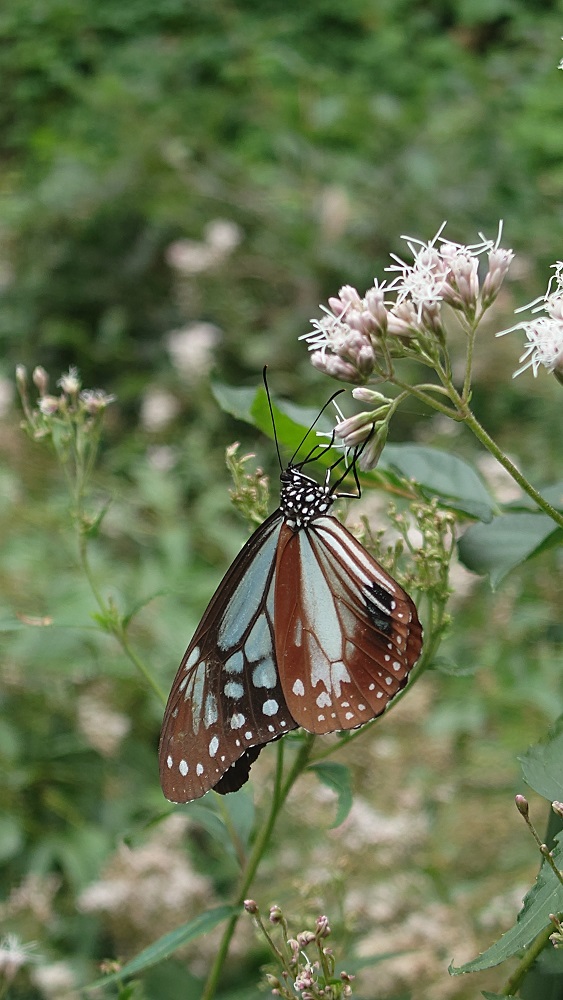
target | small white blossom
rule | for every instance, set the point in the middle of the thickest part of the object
(14, 955)
(545, 346)
(329, 332)
(223, 235)
(544, 332)
(423, 282)
(56, 980)
(191, 349)
(103, 727)
(442, 271)
(158, 409)
(70, 382)
(94, 400)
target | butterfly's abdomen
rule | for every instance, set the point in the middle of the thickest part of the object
(302, 499)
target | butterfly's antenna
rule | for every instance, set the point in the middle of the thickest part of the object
(321, 448)
(315, 421)
(264, 370)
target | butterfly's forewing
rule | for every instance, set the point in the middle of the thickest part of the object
(346, 635)
(226, 700)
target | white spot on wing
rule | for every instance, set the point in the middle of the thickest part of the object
(192, 658)
(197, 696)
(264, 675)
(235, 663)
(298, 687)
(199, 769)
(238, 720)
(233, 689)
(213, 746)
(246, 600)
(270, 707)
(169, 761)
(210, 716)
(183, 768)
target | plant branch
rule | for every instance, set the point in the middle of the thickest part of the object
(281, 791)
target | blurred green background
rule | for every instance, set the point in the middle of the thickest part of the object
(182, 183)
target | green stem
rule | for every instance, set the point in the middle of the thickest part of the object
(469, 361)
(471, 421)
(422, 393)
(514, 981)
(111, 624)
(463, 413)
(280, 793)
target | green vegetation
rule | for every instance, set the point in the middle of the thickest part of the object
(182, 183)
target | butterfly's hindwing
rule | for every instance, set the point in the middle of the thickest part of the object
(346, 634)
(226, 697)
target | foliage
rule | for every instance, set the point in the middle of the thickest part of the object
(314, 135)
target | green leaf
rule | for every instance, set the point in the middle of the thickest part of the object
(168, 944)
(453, 481)
(251, 405)
(337, 778)
(545, 897)
(497, 996)
(235, 400)
(507, 542)
(240, 810)
(553, 494)
(542, 764)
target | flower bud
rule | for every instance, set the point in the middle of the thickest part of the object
(250, 906)
(305, 938)
(21, 378)
(522, 805)
(272, 980)
(403, 321)
(336, 367)
(275, 915)
(375, 303)
(499, 263)
(353, 430)
(40, 380)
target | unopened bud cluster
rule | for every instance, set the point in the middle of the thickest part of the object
(50, 410)
(366, 430)
(400, 319)
(250, 493)
(557, 937)
(307, 976)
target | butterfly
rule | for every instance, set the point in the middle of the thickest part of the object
(305, 629)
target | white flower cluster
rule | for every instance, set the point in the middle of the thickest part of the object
(392, 319)
(545, 331)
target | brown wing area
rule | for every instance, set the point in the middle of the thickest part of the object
(226, 701)
(347, 635)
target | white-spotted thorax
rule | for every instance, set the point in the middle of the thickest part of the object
(302, 499)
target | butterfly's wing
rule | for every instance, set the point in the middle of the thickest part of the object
(346, 634)
(226, 701)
